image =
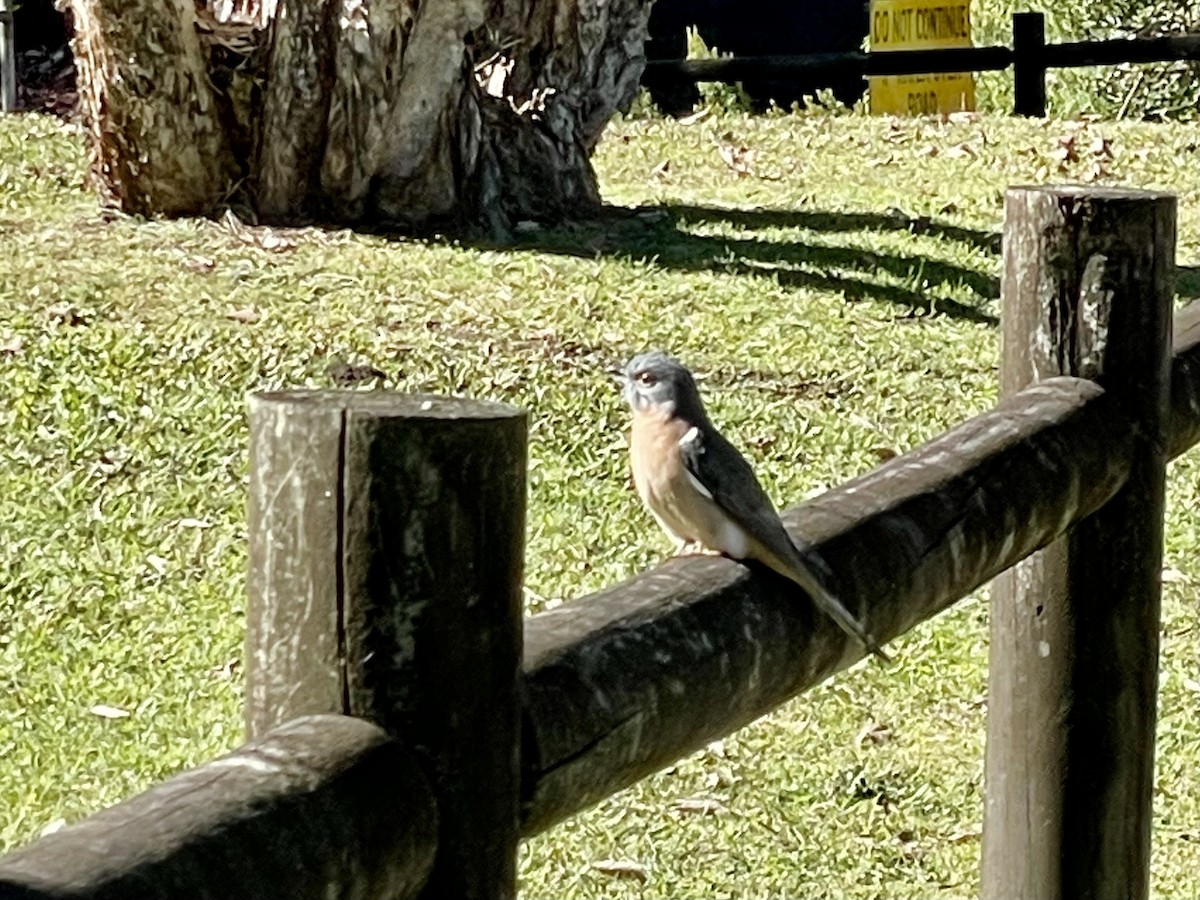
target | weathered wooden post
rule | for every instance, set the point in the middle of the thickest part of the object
(8, 60)
(324, 806)
(1087, 291)
(1029, 64)
(386, 553)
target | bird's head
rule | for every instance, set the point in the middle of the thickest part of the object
(656, 382)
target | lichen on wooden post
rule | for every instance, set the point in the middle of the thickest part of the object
(386, 548)
(1087, 291)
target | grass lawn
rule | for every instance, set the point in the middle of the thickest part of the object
(834, 279)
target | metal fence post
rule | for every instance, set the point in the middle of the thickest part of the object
(1029, 64)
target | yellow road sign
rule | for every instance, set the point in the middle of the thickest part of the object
(921, 25)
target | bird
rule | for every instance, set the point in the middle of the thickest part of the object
(702, 491)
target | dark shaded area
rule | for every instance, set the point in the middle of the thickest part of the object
(1187, 282)
(756, 28)
(661, 234)
(45, 64)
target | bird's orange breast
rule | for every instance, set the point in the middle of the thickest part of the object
(654, 454)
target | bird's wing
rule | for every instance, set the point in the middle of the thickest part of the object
(719, 470)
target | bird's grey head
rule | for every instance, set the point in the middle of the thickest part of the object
(657, 382)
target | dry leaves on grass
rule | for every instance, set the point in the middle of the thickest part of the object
(622, 868)
(104, 711)
(738, 157)
(247, 315)
(704, 806)
(259, 236)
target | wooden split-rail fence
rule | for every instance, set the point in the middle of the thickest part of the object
(408, 727)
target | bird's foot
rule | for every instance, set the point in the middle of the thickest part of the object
(695, 548)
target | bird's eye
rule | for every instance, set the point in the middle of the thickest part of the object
(646, 379)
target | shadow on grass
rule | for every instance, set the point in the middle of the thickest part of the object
(1187, 282)
(661, 235)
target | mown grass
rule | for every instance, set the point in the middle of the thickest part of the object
(836, 287)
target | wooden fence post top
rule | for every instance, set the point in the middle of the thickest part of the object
(1090, 192)
(386, 556)
(390, 403)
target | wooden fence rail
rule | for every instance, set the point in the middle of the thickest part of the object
(319, 802)
(1030, 57)
(377, 591)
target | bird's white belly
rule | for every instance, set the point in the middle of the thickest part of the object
(690, 517)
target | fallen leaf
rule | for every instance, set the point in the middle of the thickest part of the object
(1171, 575)
(1101, 146)
(345, 374)
(111, 461)
(68, 314)
(705, 806)
(722, 777)
(271, 240)
(199, 263)
(231, 223)
(698, 116)
(622, 868)
(226, 669)
(105, 711)
(246, 315)
(875, 733)
(739, 157)
(1065, 151)
(52, 826)
(964, 836)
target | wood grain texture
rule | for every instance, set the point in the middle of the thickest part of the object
(157, 145)
(1087, 291)
(325, 806)
(387, 541)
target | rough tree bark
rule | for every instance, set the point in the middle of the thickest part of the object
(395, 112)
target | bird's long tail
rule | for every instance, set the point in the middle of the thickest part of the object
(796, 569)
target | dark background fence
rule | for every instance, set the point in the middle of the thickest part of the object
(386, 536)
(1030, 57)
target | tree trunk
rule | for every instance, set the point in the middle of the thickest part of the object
(395, 112)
